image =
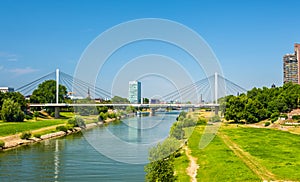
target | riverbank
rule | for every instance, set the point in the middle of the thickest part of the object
(13, 141)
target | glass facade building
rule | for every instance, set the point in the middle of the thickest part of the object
(134, 92)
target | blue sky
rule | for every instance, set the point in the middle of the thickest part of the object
(248, 37)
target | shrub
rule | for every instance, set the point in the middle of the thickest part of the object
(62, 128)
(296, 117)
(284, 116)
(28, 117)
(70, 127)
(77, 122)
(201, 121)
(267, 123)
(187, 122)
(274, 116)
(2, 144)
(36, 115)
(37, 135)
(215, 118)
(25, 135)
(102, 116)
(112, 115)
(11, 111)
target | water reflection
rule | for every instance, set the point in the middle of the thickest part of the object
(72, 158)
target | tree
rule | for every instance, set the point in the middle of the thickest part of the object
(15, 96)
(11, 111)
(46, 93)
(130, 109)
(259, 104)
(145, 101)
(161, 157)
(119, 100)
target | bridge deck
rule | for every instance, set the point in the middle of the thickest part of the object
(123, 105)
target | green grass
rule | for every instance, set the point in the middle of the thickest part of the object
(278, 151)
(66, 115)
(181, 163)
(217, 162)
(10, 128)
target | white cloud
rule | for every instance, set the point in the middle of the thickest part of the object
(6, 56)
(22, 71)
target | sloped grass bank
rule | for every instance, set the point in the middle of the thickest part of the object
(277, 150)
(217, 162)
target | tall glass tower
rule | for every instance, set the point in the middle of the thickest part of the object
(134, 92)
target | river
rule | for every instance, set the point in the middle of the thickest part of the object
(116, 152)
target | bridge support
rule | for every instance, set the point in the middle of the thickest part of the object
(152, 112)
(216, 110)
(57, 111)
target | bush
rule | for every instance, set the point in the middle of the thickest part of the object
(77, 122)
(112, 115)
(284, 116)
(274, 116)
(188, 122)
(28, 117)
(267, 123)
(62, 128)
(215, 118)
(70, 127)
(25, 135)
(11, 111)
(201, 121)
(36, 115)
(37, 135)
(2, 143)
(102, 116)
(296, 117)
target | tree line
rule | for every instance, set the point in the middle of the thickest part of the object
(261, 103)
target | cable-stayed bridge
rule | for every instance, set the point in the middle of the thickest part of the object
(202, 93)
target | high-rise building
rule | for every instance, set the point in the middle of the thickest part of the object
(291, 66)
(134, 92)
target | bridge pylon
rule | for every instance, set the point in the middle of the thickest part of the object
(57, 109)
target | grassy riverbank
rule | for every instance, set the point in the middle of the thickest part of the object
(278, 151)
(244, 154)
(11, 128)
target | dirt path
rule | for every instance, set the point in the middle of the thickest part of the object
(193, 167)
(249, 160)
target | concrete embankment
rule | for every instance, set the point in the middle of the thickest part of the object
(13, 141)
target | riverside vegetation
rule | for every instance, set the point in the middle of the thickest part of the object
(237, 153)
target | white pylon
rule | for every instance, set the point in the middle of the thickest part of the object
(216, 88)
(57, 85)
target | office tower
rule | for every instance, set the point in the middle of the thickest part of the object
(134, 93)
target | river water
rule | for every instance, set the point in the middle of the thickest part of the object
(91, 155)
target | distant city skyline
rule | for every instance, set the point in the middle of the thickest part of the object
(249, 38)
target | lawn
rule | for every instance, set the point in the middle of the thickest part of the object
(277, 150)
(10, 128)
(217, 162)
